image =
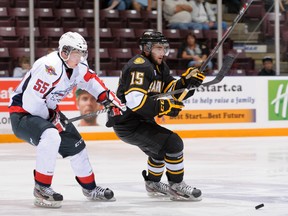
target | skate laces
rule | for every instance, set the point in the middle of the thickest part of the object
(46, 190)
(96, 192)
(160, 186)
(183, 187)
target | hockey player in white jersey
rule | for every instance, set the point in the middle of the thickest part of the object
(36, 118)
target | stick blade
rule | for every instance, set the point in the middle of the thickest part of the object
(227, 64)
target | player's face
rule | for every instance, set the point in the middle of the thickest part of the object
(158, 52)
(74, 59)
(87, 104)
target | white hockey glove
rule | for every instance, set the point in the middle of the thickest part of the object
(55, 119)
(108, 99)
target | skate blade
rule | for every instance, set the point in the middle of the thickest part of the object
(157, 195)
(182, 198)
(113, 199)
(46, 203)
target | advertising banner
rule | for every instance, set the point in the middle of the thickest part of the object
(237, 103)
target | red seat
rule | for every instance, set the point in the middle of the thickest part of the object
(87, 4)
(269, 24)
(67, 17)
(150, 18)
(86, 17)
(256, 10)
(132, 19)
(20, 16)
(24, 34)
(237, 72)
(174, 37)
(45, 17)
(5, 62)
(9, 38)
(46, 4)
(120, 56)
(125, 37)
(40, 52)
(69, 4)
(50, 36)
(105, 59)
(5, 3)
(18, 52)
(19, 3)
(82, 31)
(107, 40)
(5, 18)
(110, 19)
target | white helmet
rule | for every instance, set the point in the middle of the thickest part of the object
(73, 41)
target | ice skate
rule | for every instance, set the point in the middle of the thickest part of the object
(99, 194)
(183, 192)
(46, 197)
(155, 189)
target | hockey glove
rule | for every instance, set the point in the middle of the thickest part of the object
(169, 107)
(108, 99)
(114, 111)
(55, 119)
(193, 77)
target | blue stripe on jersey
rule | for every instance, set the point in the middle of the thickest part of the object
(17, 99)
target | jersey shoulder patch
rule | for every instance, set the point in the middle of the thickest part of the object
(50, 70)
(139, 60)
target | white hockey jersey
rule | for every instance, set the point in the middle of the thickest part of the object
(47, 83)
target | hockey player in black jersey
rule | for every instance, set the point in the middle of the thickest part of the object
(142, 77)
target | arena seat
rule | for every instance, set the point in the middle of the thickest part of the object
(125, 37)
(67, 17)
(5, 18)
(132, 19)
(20, 16)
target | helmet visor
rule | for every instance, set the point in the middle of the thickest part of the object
(83, 54)
(162, 47)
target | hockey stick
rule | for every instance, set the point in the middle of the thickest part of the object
(227, 63)
(88, 115)
(224, 37)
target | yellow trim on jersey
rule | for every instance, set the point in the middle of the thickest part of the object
(136, 89)
(156, 165)
(169, 86)
(175, 173)
(174, 161)
(155, 174)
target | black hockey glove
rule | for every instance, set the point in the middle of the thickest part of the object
(55, 119)
(193, 77)
(169, 107)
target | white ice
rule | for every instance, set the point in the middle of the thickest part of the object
(234, 174)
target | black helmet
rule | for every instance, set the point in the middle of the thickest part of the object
(153, 37)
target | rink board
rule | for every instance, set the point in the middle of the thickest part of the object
(236, 107)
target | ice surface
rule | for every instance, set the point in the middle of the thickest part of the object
(234, 174)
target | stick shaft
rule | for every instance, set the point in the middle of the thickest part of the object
(224, 37)
(86, 116)
(227, 63)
